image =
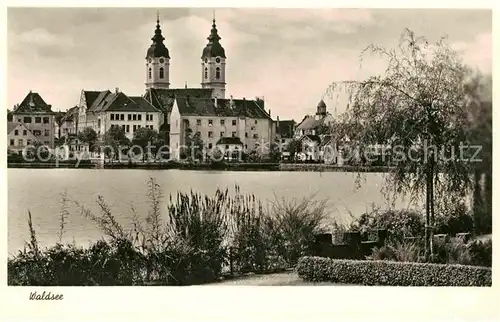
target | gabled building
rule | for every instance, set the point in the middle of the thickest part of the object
(217, 118)
(315, 124)
(106, 109)
(19, 137)
(36, 116)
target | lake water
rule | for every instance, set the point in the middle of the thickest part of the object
(39, 190)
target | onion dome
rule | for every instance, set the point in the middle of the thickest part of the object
(157, 48)
(213, 48)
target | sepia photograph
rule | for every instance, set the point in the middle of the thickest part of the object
(189, 146)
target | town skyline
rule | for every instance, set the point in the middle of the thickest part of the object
(288, 56)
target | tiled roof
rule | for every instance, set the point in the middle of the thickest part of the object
(107, 101)
(198, 101)
(33, 103)
(285, 128)
(310, 122)
(70, 114)
(90, 97)
(230, 140)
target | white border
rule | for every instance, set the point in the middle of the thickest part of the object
(247, 303)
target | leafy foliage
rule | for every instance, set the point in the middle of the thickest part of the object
(89, 136)
(355, 272)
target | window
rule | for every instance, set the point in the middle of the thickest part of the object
(25, 132)
(221, 122)
(19, 120)
(38, 119)
(20, 142)
(47, 133)
(210, 122)
(151, 127)
(221, 134)
(128, 128)
(122, 117)
(28, 142)
(162, 74)
(210, 134)
(246, 146)
(129, 117)
(234, 122)
(149, 73)
(255, 136)
(209, 145)
(37, 132)
(27, 119)
(227, 146)
(46, 142)
(16, 132)
(149, 117)
(134, 127)
(217, 73)
(45, 120)
(246, 134)
(123, 128)
(112, 117)
(12, 142)
(139, 117)
(99, 123)
(198, 133)
(135, 117)
(198, 122)
(252, 128)
(255, 122)
(233, 134)
(206, 73)
(10, 118)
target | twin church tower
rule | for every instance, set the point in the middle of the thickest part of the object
(213, 63)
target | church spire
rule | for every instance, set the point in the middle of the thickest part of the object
(213, 48)
(157, 48)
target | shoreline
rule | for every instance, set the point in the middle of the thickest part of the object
(268, 167)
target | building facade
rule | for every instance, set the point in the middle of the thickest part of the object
(36, 116)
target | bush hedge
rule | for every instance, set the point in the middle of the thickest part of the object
(320, 269)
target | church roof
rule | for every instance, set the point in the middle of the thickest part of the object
(33, 103)
(213, 48)
(198, 101)
(157, 48)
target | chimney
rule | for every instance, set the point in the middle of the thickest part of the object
(244, 99)
(269, 112)
(186, 85)
(117, 90)
(277, 120)
(231, 103)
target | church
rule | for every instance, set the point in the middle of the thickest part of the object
(206, 110)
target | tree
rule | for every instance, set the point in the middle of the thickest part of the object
(88, 136)
(419, 106)
(193, 147)
(293, 147)
(143, 137)
(114, 139)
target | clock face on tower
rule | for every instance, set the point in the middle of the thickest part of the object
(217, 60)
(162, 60)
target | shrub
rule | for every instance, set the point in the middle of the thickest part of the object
(399, 252)
(481, 252)
(451, 251)
(318, 269)
(399, 223)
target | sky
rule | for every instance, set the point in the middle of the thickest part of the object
(288, 56)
